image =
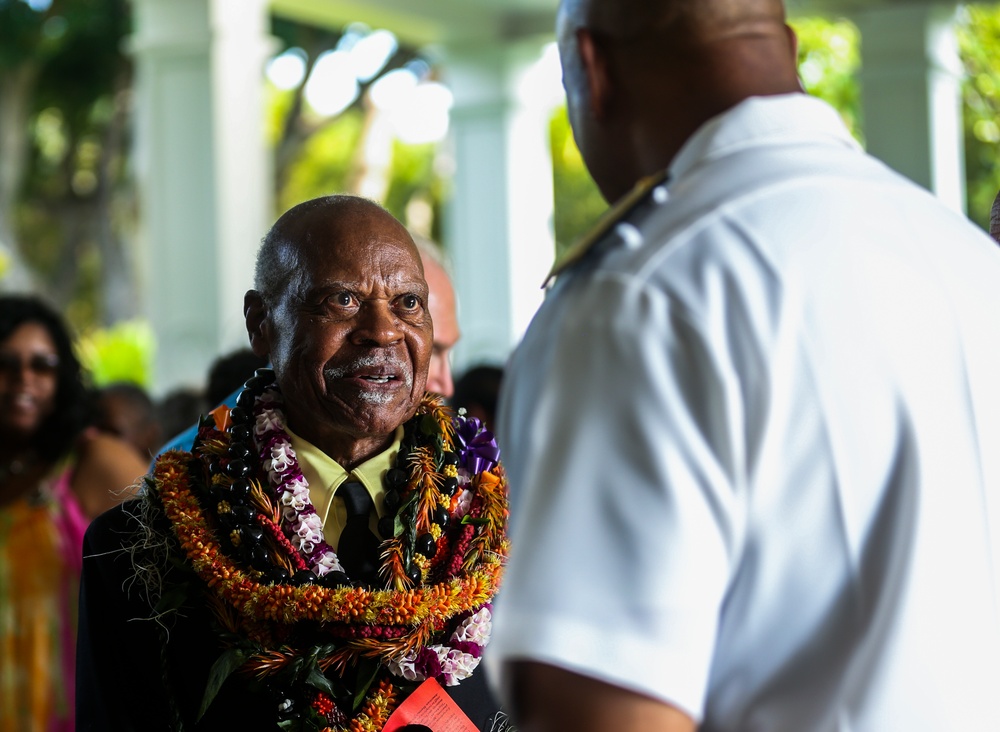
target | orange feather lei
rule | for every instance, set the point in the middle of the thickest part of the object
(354, 623)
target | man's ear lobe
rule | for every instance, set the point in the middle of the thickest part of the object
(258, 325)
(595, 66)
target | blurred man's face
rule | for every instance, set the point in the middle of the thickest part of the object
(441, 303)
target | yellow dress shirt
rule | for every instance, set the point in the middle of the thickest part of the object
(325, 475)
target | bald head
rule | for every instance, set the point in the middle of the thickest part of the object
(306, 226)
(340, 309)
(642, 76)
(995, 219)
(656, 18)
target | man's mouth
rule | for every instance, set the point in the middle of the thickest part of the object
(378, 379)
(374, 370)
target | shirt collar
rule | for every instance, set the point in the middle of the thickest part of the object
(325, 473)
(758, 119)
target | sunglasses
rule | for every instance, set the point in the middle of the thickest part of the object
(40, 364)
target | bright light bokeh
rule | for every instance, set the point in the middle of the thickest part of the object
(334, 83)
(418, 111)
(371, 53)
(332, 86)
(542, 84)
(287, 70)
(391, 89)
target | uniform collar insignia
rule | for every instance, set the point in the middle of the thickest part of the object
(612, 216)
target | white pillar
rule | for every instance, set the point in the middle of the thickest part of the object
(499, 220)
(204, 173)
(911, 95)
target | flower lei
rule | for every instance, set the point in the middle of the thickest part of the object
(244, 521)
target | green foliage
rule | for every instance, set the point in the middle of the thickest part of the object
(64, 210)
(578, 202)
(979, 45)
(829, 60)
(123, 352)
(412, 175)
(325, 162)
(23, 35)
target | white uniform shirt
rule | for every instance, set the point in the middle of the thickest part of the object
(753, 444)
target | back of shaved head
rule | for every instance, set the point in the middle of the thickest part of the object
(650, 18)
(642, 75)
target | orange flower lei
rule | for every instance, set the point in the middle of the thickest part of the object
(356, 623)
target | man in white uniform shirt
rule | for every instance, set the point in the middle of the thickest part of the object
(753, 435)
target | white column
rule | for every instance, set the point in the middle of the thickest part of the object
(204, 173)
(499, 221)
(911, 96)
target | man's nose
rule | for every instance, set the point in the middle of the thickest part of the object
(376, 324)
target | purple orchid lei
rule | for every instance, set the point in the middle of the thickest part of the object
(453, 661)
(299, 519)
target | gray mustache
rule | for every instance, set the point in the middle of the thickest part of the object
(390, 361)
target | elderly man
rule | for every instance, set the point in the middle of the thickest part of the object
(752, 432)
(443, 311)
(325, 555)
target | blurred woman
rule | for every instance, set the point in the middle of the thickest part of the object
(52, 482)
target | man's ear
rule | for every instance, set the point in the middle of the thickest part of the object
(793, 42)
(258, 324)
(594, 59)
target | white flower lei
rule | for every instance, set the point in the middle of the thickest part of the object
(299, 519)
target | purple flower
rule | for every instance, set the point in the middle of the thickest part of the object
(427, 663)
(473, 649)
(477, 448)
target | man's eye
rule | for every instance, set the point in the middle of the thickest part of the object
(342, 299)
(409, 302)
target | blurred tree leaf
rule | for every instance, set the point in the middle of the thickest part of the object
(829, 61)
(65, 194)
(979, 46)
(578, 202)
(325, 161)
(123, 352)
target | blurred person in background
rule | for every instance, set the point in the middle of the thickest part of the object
(228, 372)
(126, 410)
(180, 409)
(444, 313)
(477, 391)
(225, 380)
(53, 481)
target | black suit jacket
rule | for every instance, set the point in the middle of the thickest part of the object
(130, 678)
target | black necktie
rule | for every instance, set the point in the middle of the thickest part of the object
(358, 546)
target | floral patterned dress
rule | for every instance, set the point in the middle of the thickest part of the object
(41, 539)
